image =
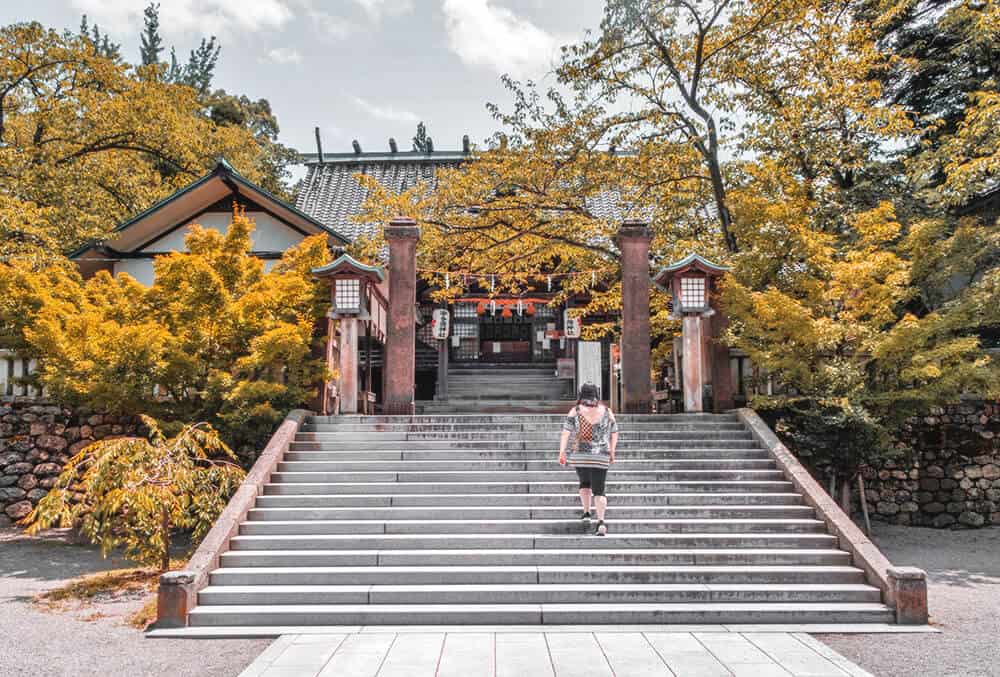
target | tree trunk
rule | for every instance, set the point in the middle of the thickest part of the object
(165, 533)
(845, 496)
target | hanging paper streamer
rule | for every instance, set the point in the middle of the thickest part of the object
(550, 283)
(447, 281)
(593, 278)
(493, 307)
(492, 282)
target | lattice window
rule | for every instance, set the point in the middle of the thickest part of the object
(465, 330)
(465, 311)
(692, 293)
(348, 296)
(543, 311)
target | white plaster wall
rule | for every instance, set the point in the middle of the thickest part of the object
(269, 235)
(140, 269)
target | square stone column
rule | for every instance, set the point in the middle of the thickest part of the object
(633, 238)
(348, 366)
(400, 344)
(693, 363)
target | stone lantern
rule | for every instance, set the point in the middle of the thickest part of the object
(350, 288)
(691, 283)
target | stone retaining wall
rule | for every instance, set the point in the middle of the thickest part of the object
(36, 440)
(952, 476)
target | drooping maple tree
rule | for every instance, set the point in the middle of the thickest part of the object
(134, 492)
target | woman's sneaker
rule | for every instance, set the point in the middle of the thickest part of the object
(602, 528)
(585, 517)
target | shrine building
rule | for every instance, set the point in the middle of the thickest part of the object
(486, 351)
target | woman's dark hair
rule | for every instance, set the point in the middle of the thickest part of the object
(588, 393)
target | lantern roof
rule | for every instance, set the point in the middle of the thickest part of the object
(692, 261)
(346, 264)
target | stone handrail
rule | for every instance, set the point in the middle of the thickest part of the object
(904, 588)
(178, 591)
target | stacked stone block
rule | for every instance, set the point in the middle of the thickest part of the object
(952, 476)
(36, 440)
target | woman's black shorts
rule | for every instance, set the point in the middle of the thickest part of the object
(593, 479)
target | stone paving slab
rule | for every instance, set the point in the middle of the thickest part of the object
(234, 632)
(434, 652)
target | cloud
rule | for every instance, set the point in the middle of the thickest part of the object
(482, 34)
(204, 17)
(385, 112)
(376, 9)
(283, 55)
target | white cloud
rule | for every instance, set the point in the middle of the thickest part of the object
(283, 55)
(385, 112)
(376, 9)
(482, 34)
(204, 17)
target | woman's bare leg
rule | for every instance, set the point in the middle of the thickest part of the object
(601, 503)
(585, 495)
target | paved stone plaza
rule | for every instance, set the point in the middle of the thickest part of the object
(557, 654)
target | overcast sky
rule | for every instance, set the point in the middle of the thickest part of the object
(360, 69)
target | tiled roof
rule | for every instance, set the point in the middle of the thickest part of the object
(331, 194)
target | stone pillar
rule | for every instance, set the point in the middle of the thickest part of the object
(400, 344)
(723, 388)
(442, 382)
(693, 363)
(634, 237)
(348, 386)
(909, 590)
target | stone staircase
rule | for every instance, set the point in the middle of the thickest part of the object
(502, 388)
(469, 519)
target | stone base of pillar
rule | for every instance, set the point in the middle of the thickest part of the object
(399, 408)
(637, 407)
(909, 586)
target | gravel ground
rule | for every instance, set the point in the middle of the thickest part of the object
(963, 569)
(92, 640)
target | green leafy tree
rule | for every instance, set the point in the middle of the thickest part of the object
(151, 44)
(134, 492)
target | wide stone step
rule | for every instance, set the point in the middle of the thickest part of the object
(530, 526)
(456, 575)
(525, 499)
(508, 428)
(313, 451)
(491, 433)
(514, 445)
(635, 439)
(518, 418)
(529, 541)
(617, 475)
(303, 451)
(535, 614)
(550, 465)
(332, 442)
(614, 487)
(527, 557)
(533, 594)
(432, 513)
